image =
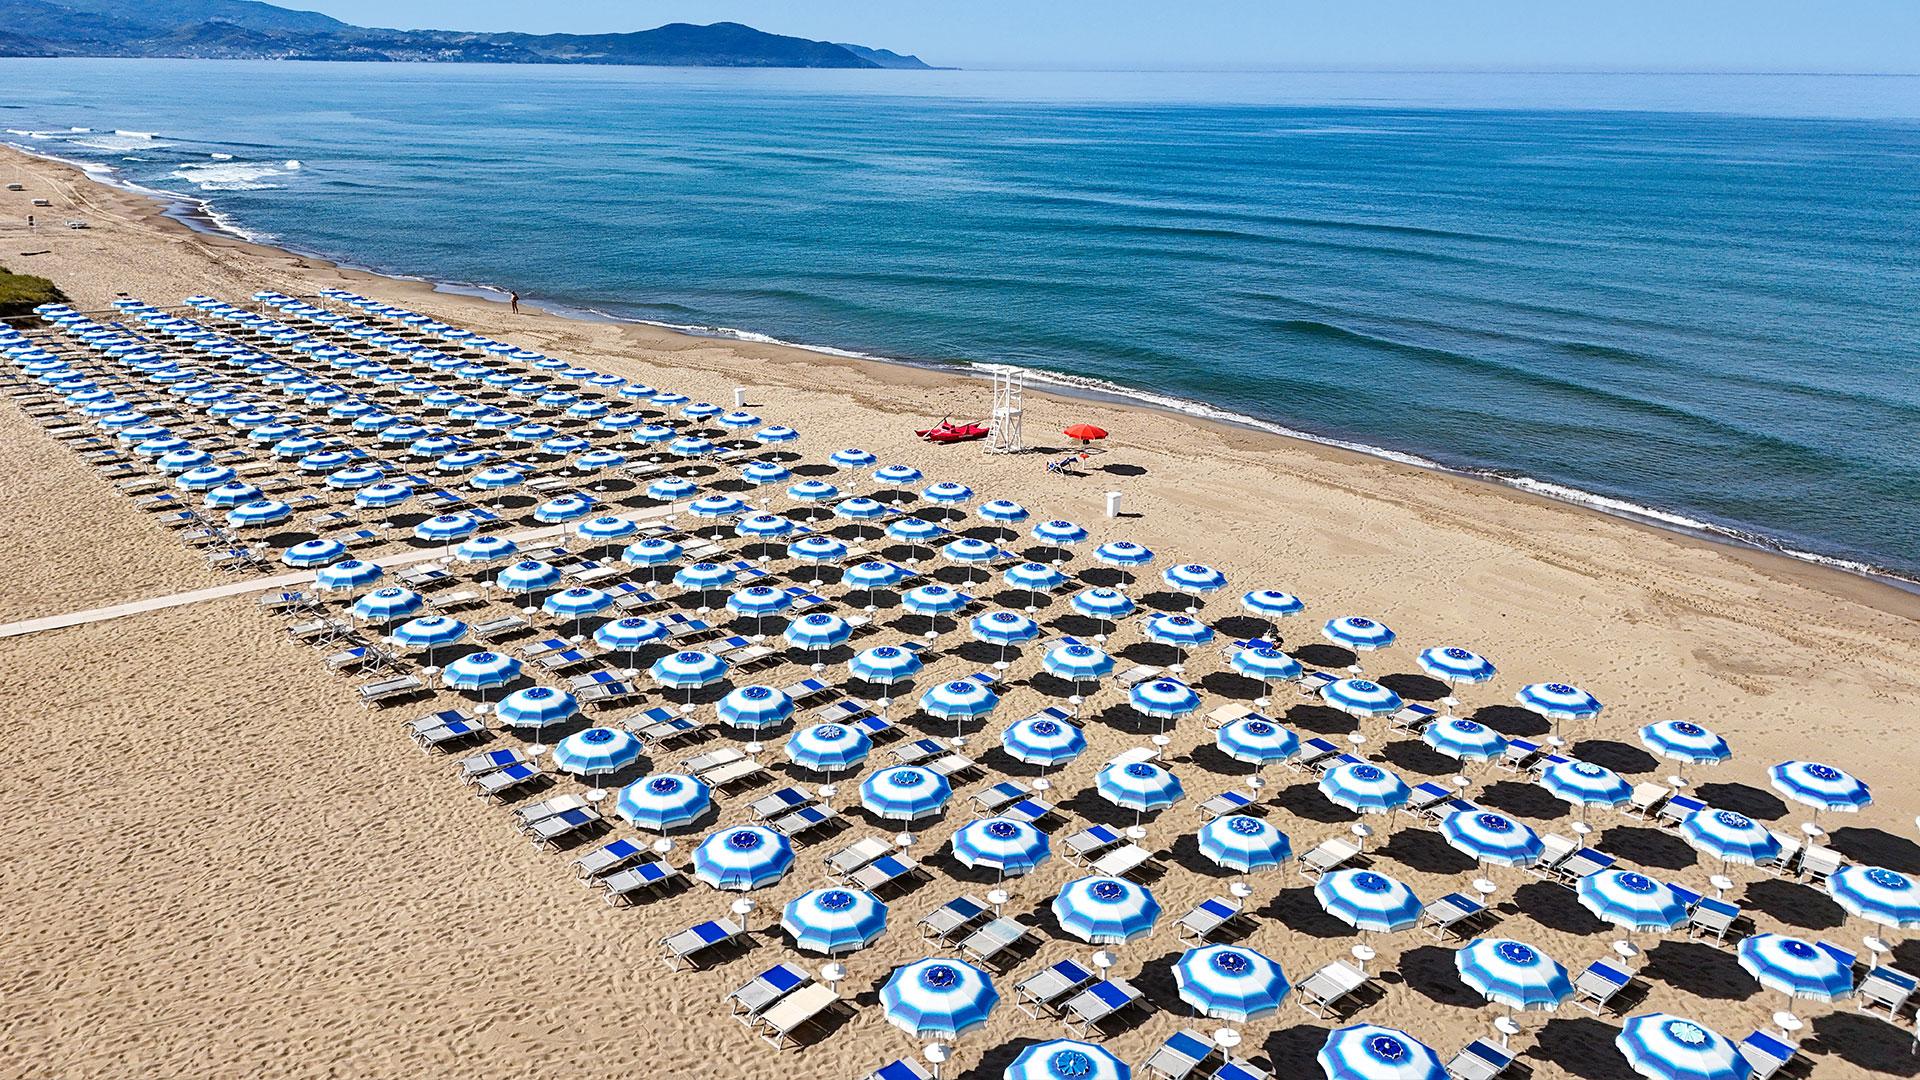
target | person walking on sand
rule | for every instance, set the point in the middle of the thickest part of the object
(513, 302)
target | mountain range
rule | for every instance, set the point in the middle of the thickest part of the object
(248, 30)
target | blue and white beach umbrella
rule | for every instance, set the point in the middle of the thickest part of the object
(1513, 974)
(596, 751)
(1463, 739)
(429, 632)
(742, 858)
(446, 528)
(764, 472)
(969, 550)
(688, 669)
(481, 671)
(763, 526)
(1489, 837)
(1123, 553)
(884, 665)
(1823, 787)
(932, 600)
(859, 508)
(736, 418)
(596, 460)
(1196, 579)
(1371, 1052)
(702, 576)
(388, 605)
(1105, 910)
(672, 488)
(817, 631)
(348, 575)
(478, 549)
(812, 491)
(1558, 701)
(1001, 512)
(834, 921)
(1043, 740)
(234, 493)
(716, 506)
(309, 553)
(255, 514)
(906, 793)
(938, 998)
(577, 602)
(1368, 900)
(497, 477)
(1001, 844)
(1256, 740)
(629, 634)
(606, 528)
(853, 458)
(759, 601)
(1361, 697)
(1455, 666)
(778, 433)
(1059, 533)
(828, 748)
(652, 551)
(537, 707)
(1168, 699)
(1583, 783)
(817, 549)
(1077, 662)
(1230, 982)
(947, 493)
(1034, 577)
(1878, 895)
(1357, 633)
(1795, 968)
(755, 707)
(179, 461)
(1661, 1046)
(959, 699)
(690, 446)
(1729, 837)
(897, 474)
(1139, 786)
(1683, 740)
(382, 496)
(1266, 664)
(1366, 788)
(1272, 603)
(1178, 631)
(1003, 628)
(528, 575)
(204, 478)
(1631, 900)
(1244, 843)
(663, 801)
(913, 530)
(1066, 1059)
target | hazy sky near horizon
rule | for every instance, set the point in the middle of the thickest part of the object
(1688, 35)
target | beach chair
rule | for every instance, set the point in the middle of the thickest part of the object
(1321, 992)
(1709, 916)
(1595, 988)
(1521, 755)
(1584, 862)
(956, 916)
(1184, 1052)
(991, 800)
(388, 690)
(1557, 849)
(766, 988)
(1647, 798)
(711, 760)
(490, 762)
(990, 942)
(454, 601)
(884, 872)
(917, 751)
(1090, 842)
(1313, 683)
(1196, 927)
(1888, 989)
(722, 777)
(422, 577)
(1449, 914)
(845, 861)
(1788, 860)
(550, 832)
(803, 821)
(1223, 715)
(1329, 856)
(445, 736)
(807, 691)
(1098, 1003)
(663, 732)
(1819, 862)
(1676, 808)
(503, 782)
(618, 855)
(953, 766)
(544, 647)
(1227, 802)
(1123, 861)
(1029, 812)
(505, 626)
(525, 817)
(605, 694)
(1137, 674)
(1481, 1059)
(320, 630)
(778, 1025)
(780, 802)
(1411, 719)
(903, 1069)
(877, 728)
(1765, 1054)
(1314, 754)
(687, 946)
(1045, 989)
(622, 886)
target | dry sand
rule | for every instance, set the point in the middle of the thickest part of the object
(222, 867)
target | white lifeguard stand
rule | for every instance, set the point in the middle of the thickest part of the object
(1009, 386)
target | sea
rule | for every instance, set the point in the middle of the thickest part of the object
(1689, 299)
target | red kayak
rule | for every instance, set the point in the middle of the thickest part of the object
(947, 431)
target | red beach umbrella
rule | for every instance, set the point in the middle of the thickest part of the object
(1086, 433)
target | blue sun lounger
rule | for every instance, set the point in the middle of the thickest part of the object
(623, 885)
(618, 855)
(687, 945)
(1180, 1056)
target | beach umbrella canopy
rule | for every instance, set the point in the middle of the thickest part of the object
(1123, 553)
(834, 921)
(205, 478)
(1729, 837)
(606, 528)
(853, 458)
(1371, 1052)
(357, 477)
(1001, 512)
(759, 601)
(388, 604)
(1463, 739)
(1266, 664)
(1366, 788)
(313, 553)
(1138, 785)
(884, 665)
(429, 632)
(669, 488)
(1488, 837)
(1513, 974)
(1795, 968)
(763, 526)
(485, 549)
(812, 491)
(716, 506)
(968, 549)
(1357, 633)
(1661, 1046)
(742, 858)
(496, 477)
(688, 669)
(1105, 910)
(1193, 578)
(1631, 900)
(652, 551)
(932, 600)
(1034, 577)
(905, 794)
(1682, 740)
(577, 602)
(1271, 603)
(1104, 604)
(528, 575)
(663, 801)
(897, 474)
(1583, 783)
(818, 631)
(537, 707)
(691, 446)
(348, 574)
(817, 549)
(255, 514)
(446, 528)
(702, 576)
(596, 751)
(947, 493)
(958, 699)
(1066, 1059)
(1077, 662)
(1453, 665)
(755, 707)
(764, 472)
(1230, 982)
(938, 998)
(1361, 697)
(1877, 895)
(1168, 699)
(481, 671)
(1558, 701)
(913, 530)
(1823, 787)
(828, 748)
(1003, 628)
(778, 433)
(1178, 631)
(1003, 844)
(859, 508)
(236, 493)
(1043, 740)
(1367, 900)
(1256, 740)
(628, 634)
(1059, 533)
(1244, 843)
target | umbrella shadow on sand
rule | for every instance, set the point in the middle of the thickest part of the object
(1743, 799)
(1700, 970)
(1581, 1047)
(1432, 972)
(1877, 847)
(1866, 1042)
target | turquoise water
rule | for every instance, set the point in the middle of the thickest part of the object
(1707, 315)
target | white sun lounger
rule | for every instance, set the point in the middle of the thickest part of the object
(1045, 989)
(778, 1025)
(1330, 855)
(1321, 991)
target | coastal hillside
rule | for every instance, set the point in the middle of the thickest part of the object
(246, 30)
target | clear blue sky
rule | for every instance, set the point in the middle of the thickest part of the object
(1691, 35)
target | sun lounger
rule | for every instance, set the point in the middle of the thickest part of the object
(1321, 992)
(526, 817)
(712, 759)
(903, 1069)
(599, 863)
(502, 782)
(1708, 915)
(1818, 862)
(954, 917)
(766, 988)
(807, 691)
(1180, 1056)
(1044, 990)
(565, 660)
(953, 765)
(287, 602)
(1597, 986)
(502, 627)
(1481, 1059)
(856, 855)
(1098, 1003)
(1330, 855)
(1521, 755)
(1428, 797)
(993, 799)
(780, 802)
(1089, 843)
(1449, 914)
(1788, 860)
(1313, 682)
(988, 943)
(1765, 1054)
(1582, 863)
(544, 647)
(551, 831)
(804, 820)
(1314, 754)
(422, 577)
(917, 751)
(1226, 714)
(604, 694)
(884, 872)
(1411, 719)
(623, 885)
(1888, 989)
(446, 735)
(1137, 674)
(1199, 925)
(665, 732)
(1122, 861)
(454, 601)
(1647, 798)
(386, 690)
(1676, 808)
(731, 773)
(687, 946)
(1241, 1070)
(319, 630)
(490, 762)
(1227, 802)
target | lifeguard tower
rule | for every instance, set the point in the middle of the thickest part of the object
(1009, 387)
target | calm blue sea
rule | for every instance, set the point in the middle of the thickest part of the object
(1694, 295)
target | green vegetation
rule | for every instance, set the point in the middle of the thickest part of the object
(21, 293)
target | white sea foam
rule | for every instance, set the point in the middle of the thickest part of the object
(232, 175)
(218, 156)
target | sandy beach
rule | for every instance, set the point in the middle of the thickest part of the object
(223, 866)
